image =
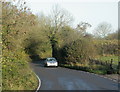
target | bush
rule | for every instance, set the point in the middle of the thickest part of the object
(80, 51)
(16, 73)
(107, 47)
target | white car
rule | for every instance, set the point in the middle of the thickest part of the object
(51, 62)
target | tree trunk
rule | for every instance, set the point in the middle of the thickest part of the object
(53, 50)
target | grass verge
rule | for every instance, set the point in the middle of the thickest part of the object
(108, 59)
(97, 69)
(16, 74)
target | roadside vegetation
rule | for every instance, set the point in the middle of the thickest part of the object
(16, 73)
(27, 37)
(108, 59)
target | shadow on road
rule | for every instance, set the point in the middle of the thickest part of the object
(39, 62)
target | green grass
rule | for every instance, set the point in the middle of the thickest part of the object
(93, 68)
(18, 76)
(108, 59)
(16, 73)
(97, 69)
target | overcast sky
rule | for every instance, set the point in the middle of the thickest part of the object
(91, 11)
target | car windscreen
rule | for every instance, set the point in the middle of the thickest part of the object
(51, 59)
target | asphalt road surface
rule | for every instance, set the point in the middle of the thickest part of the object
(59, 78)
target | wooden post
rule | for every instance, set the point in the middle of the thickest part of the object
(106, 62)
(111, 63)
(119, 67)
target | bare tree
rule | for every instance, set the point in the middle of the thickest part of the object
(103, 30)
(82, 27)
(59, 19)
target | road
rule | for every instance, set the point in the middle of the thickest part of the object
(59, 78)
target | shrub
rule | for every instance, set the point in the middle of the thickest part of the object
(80, 51)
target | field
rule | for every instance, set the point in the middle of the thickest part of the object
(96, 68)
(108, 59)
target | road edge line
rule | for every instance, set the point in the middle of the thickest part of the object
(114, 80)
(39, 85)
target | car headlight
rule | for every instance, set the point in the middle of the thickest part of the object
(48, 63)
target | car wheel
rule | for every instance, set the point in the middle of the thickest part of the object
(56, 66)
(45, 65)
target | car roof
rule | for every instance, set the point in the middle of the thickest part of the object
(50, 58)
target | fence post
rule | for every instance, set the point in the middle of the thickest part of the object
(119, 67)
(111, 64)
(106, 62)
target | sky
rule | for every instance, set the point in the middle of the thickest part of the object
(92, 11)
